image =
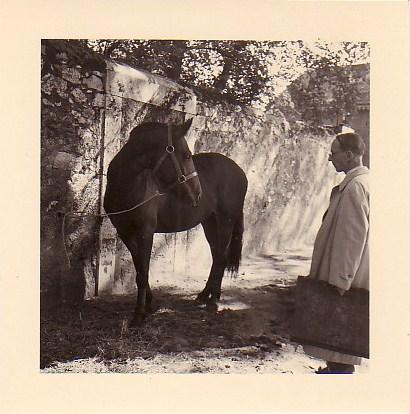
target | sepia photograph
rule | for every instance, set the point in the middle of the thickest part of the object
(186, 219)
(182, 186)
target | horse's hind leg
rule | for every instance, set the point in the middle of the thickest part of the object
(210, 230)
(218, 233)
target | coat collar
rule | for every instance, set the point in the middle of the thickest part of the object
(353, 174)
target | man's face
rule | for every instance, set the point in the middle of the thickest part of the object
(338, 156)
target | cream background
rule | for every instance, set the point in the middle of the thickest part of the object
(23, 23)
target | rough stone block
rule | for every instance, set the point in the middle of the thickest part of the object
(63, 160)
(71, 75)
(99, 100)
(94, 82)
(87, 113)
(79, 95)
(49, 83)
(47, 102)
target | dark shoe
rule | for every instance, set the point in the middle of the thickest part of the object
(338, 368)
(323, 370)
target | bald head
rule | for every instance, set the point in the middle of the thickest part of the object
(347, 151)
(351, 141)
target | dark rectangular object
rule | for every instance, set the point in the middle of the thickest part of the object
(328, 320)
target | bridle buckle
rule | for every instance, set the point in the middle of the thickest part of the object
(182, 179)
(170, 149)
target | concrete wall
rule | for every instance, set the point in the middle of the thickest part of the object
(287, 169)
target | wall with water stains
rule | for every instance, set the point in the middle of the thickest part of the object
(289, 176)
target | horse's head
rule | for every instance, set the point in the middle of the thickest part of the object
(174, 167)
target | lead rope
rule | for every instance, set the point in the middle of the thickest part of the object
(80, 214)
(182, 179)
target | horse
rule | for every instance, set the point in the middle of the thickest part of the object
(156, 185)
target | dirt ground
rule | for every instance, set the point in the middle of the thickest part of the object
(249, 333)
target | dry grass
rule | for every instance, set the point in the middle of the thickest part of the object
(99, 331)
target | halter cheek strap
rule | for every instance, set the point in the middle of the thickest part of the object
(170, 150)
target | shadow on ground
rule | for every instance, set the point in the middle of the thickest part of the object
(255, 320)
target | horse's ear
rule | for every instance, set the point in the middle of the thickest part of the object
(186, 126)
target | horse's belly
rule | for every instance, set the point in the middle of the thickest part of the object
(173, 224)
(174, 229)
(171, 220)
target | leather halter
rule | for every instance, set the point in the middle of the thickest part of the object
(170, 150)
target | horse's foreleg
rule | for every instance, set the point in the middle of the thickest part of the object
(141, 257)
(148, 306)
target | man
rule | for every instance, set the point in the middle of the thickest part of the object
(341, 253)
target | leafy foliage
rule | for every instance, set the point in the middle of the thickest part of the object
(244, 72)
(327, 91)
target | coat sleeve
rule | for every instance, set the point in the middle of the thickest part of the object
(350, 237)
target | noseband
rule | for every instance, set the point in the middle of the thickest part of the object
(170, 151)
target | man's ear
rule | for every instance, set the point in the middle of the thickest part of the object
(349, 155)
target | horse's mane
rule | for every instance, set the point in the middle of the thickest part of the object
(144, 138)
(145, 128)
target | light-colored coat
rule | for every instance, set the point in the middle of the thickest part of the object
(341, 251)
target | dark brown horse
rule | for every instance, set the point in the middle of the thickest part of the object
(155, 185)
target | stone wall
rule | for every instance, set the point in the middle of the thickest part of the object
(72, 103)
(88, 107)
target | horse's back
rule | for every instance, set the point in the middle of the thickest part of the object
(213, 164)
(224, 186)
(220, 176)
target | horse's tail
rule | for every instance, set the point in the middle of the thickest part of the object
(235, 247)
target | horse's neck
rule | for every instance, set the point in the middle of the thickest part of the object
(129, 164)
(131, 185)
